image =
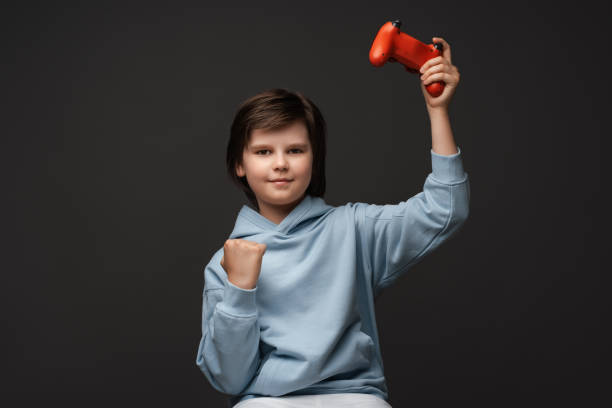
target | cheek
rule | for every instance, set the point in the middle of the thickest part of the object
(306, 167)
(257, 169)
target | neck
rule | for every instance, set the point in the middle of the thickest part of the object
(277, 213)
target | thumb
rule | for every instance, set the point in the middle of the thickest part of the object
(446, 52)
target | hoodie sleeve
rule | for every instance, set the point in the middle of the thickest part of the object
(396, 237)
(228, 353)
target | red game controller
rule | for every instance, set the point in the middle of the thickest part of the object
(392, 45)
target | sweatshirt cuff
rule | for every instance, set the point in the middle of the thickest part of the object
(447, 169)
(238, 301)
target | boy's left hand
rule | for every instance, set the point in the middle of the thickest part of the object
(440, 69)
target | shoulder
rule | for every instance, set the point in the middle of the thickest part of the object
(351, 209)
(347, 208)
(348, 215)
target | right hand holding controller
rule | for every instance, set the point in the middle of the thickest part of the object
(242, 261)
(390, 44)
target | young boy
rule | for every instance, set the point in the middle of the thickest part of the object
(288, 305)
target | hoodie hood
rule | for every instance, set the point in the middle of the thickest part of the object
(250, 222)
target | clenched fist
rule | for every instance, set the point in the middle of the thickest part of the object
(243, 262)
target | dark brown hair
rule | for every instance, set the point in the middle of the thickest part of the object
(272, 110)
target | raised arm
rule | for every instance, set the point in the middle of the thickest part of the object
(396, 237)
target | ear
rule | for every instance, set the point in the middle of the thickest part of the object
(240, 170)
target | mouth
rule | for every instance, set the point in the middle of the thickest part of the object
(281, 182)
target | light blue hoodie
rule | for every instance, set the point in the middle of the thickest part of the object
(309, 326)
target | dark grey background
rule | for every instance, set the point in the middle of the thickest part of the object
(115, 123)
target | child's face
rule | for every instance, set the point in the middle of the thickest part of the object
(271, 155)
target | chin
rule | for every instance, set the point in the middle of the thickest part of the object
(283, 197)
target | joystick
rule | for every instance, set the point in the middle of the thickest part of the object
(393, 45)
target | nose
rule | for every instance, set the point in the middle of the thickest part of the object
(280, 161)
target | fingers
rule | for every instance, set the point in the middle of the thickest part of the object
(432, 70)
(244, 244)
(441, 68)
(441, 76)
(450, 77)
(430, 63)
(446, 49)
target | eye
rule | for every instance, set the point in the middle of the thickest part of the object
(266, 150)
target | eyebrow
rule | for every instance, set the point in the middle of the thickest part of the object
(261, 146)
